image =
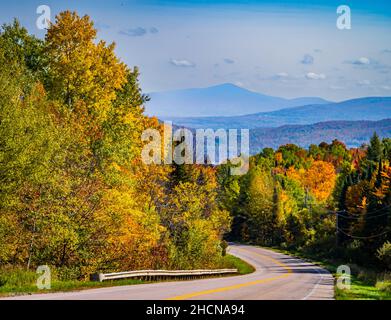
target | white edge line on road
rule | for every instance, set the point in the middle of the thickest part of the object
(316, 286)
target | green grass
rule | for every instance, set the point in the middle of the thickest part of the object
(366, 284)
(362, 290)
(242, 266)
(18, 281)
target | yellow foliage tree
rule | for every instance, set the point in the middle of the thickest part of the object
(319, 179)
(84, 74)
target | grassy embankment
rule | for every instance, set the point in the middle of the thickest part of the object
(20, 281)
(366, 284)
(242, 266)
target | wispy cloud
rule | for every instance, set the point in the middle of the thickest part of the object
(153, 30)
(138, 32)
(336, 87)
(182, 63)
(101, 26)
(229, 61)
(367, 63)
(280, 76)
(315, 76)
(307, 59)
(362, 61)
(363, 83)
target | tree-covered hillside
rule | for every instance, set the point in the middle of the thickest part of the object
(327, 199)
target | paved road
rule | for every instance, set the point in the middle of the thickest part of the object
(277, 277)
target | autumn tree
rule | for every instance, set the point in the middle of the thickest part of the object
(318, 179)
(193, 218)
(259, 210)
(85, 75)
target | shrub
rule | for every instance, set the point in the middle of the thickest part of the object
(68, 273)
(384, 254)
(384, 286)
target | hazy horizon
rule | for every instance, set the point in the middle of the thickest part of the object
(263, 93)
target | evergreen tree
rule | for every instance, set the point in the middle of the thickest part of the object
(375, 149)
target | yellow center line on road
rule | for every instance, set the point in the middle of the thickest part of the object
(240, 285)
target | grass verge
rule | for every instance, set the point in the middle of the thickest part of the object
(21, 282)
(364, 290)
(242, 266)
(366, 284)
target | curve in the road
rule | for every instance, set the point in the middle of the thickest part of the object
(240, 285)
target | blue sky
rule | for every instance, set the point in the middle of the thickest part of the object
(285, 48)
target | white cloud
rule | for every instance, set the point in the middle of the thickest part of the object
(315, 76)
(386, 87)
(282, 76)
(362, 61)
(182, 63)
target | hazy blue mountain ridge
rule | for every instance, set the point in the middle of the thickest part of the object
(352, 133)
(370, 108)
(221, 100)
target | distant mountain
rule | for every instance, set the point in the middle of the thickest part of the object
(371, 108)
(221, 100)
(352, 133)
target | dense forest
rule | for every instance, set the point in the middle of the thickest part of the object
(329, 200)
(74, 193)
(352, 133)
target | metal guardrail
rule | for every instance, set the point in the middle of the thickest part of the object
(162, 274)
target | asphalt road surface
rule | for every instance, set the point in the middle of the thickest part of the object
(277, 277)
